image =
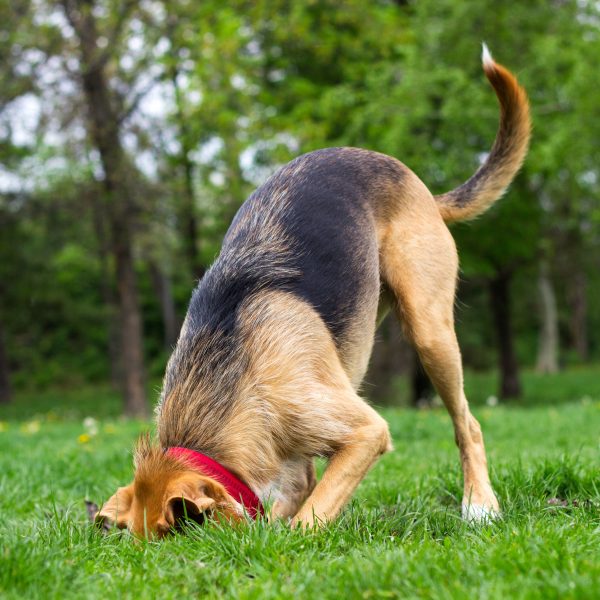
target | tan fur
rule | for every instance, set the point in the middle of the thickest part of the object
(506, 157)
(420, 266)
(287, 393)
(163, 490)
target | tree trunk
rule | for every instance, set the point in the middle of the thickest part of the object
(390, 358)
(131, 330)
(164, 293)
(422, 390)
(107, 291)
(577, 298)
(189, 217)
(187, 211)
(547, 359)
(103, 125)
(499, 287)
(5, 389)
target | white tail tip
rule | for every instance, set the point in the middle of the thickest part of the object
(486, 56)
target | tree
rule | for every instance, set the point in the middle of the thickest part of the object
(105, 114)
(156, 119)
(547, 358)
(5, 387)
(178, 26)
(14, 83)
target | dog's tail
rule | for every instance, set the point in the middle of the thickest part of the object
(490, 181)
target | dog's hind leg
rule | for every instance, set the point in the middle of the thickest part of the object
(419, 263)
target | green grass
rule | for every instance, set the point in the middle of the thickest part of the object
(400, 537)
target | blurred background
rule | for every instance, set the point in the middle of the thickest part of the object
(130, 133)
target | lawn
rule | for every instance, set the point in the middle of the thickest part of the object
(400, 537)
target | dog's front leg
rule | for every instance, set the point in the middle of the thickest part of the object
(346, 468)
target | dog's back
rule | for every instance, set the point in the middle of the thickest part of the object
(310, 230)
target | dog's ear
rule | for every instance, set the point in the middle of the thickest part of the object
(197, 498)
(179, 508)
(192, 501)
(117, 509)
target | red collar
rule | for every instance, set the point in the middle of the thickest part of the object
(234, 486)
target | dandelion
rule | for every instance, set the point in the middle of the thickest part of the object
(91, 426)
(31, 427)
(84, 438)
(492, 401)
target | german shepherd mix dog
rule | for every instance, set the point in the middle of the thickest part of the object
(278, 333)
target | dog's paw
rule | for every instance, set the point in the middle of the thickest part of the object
(479, 513)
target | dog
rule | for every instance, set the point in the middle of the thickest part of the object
(278, 333)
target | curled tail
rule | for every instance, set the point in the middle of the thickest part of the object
(490, 181)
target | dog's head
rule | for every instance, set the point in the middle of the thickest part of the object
(165, 491)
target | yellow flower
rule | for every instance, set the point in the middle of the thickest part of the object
(3, 426)
(30, 427)
(84, 438)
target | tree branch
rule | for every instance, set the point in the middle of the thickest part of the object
(114, 34)
(137, 98)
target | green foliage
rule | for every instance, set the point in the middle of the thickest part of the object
(243, 87)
